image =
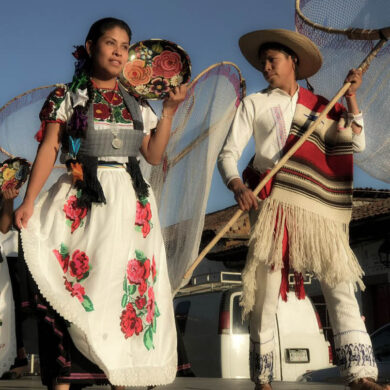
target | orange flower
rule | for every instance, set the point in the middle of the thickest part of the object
(137, 73)
(77, 172)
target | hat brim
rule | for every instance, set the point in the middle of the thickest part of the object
(310, 58)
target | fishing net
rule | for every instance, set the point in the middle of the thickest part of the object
(18, 123)
(346, 32)
(181, 184)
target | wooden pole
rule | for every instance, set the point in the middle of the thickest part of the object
(363, 66)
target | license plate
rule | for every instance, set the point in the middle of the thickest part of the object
(300, 355)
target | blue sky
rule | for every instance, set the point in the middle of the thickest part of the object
(37, 39)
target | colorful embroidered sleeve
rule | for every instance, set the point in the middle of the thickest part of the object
(56, 109)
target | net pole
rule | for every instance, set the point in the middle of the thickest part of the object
(363, 66)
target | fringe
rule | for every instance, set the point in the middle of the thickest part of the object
(91, 190)
(139, 184)
(316, 244)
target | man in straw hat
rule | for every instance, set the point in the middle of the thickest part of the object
(301, 222)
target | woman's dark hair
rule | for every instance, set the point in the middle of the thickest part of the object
(81, 78)
(102, 25)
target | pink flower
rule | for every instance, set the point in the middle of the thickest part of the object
(167, 64)
(78, 291)
(140, 302)
(142, 217)
(64, 261)
(74, 213)
(79, 265)
(68, 285)
(9, 184)
(130, 323)
(154, 271)
(137, 272)
(142, 288)
(150, 306)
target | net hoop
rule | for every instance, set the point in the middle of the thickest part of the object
(351, 33)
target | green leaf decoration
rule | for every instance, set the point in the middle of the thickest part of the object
(124, 300)
(125, 284)
(85, 276)
(151, 224)
(144, 201)
(131, 289)
(140, 255)
(78, 194)
(156, 311)
(132, 53)
(154, 324)
(87, 304)
(148, 339)
(68, 222)
(63, 250)
(81, 223)
(138, 228)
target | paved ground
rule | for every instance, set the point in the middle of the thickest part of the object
(184, 384)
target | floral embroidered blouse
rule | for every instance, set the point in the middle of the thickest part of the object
(59, 105)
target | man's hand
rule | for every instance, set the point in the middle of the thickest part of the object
(243, 195)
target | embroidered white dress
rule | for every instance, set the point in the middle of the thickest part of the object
(104, 269)
(7, 318)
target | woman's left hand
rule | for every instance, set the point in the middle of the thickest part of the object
(355, 77)
(176, 96)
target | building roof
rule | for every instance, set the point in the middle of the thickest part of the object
(367, 203)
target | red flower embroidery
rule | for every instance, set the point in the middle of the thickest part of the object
(101, 111)
(78, 291)
(150, 306)
(47, 109)
(137, 272)
(154, 271)
(74, 213)
(142, 288)
(140, 302)
(79, 265)
(130, 323)
(142, 217)
(64, 262)
(113, 98)
(68, 285)
(126, 114)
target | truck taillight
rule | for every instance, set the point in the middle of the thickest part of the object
(224, 322)
(330, 354)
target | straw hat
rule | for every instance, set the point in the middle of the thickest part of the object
(310, 58)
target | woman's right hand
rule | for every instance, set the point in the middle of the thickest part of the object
(243, 195)
(23, 214)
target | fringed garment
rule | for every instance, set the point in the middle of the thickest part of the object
(311, 198)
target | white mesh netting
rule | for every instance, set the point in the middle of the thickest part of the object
(181, 184)
(341, 54)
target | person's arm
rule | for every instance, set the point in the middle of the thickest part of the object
(6, 212)
(238, 137)
(355, 78)
(41, 169)
(154, 144)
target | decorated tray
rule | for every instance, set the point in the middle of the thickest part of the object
(155, 66)
(13, 173)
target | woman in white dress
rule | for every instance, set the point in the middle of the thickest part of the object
(93, 242)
